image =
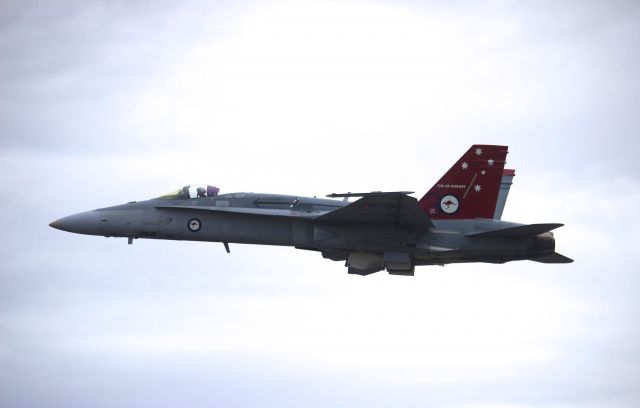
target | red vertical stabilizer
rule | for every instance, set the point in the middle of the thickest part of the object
(470, 188)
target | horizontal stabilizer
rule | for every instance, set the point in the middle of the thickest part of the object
(554, 258)
(520, 231)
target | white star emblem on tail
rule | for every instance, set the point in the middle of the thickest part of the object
(465, 165)
(477, 188)
(490, 162)
(478, 151)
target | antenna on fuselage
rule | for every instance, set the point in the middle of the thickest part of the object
(350, 194)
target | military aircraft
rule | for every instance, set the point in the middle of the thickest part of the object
(457, 220)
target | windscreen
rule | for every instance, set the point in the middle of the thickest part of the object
(193, 191)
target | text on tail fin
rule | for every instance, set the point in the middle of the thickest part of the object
(470, 188)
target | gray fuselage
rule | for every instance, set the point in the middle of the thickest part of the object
(270, 219)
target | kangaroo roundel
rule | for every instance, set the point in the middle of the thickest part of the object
(449, 204)
(194, 225)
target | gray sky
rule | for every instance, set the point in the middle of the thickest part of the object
(107, 102)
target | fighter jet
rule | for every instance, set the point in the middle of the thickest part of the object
(458, 220)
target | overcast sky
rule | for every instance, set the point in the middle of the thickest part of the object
(103, 103)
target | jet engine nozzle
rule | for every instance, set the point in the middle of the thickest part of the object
(543, 243)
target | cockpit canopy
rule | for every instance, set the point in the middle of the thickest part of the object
(193, 191)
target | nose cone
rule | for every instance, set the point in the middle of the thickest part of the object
(82, 223)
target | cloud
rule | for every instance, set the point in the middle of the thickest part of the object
(70, 68)
(105, 103)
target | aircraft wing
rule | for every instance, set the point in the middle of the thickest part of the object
(395, 209)
(253, 211)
